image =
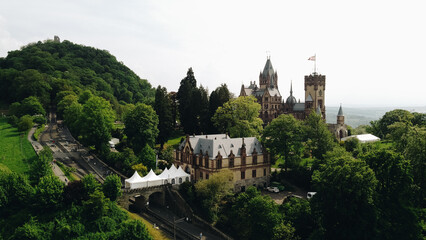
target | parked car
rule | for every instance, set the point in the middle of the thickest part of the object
(310, 195)
(273, 189)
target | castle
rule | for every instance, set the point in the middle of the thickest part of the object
(272, 104)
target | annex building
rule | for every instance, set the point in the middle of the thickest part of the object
(203, 155)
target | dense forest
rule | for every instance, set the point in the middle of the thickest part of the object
(44, 69)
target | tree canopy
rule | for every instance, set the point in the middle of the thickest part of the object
(239, 117)
(43, 69)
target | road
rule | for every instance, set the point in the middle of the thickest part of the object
(68, 151)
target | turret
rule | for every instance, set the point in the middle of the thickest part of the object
(340, 116)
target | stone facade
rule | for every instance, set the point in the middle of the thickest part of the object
(203, 155)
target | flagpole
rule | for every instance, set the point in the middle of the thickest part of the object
(315, 63)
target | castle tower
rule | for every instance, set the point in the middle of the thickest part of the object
(340, 116)
(315, 93)
(268, 78)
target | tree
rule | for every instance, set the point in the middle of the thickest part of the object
(96, 206)
(319, 139)
(283, 139)
(25, 123)
(185, 98)
(258, 217)
(90, 185)
(147, 157)
(65, 103)
(343, 205)
(141, 127)
(380, 127)
(133, 230)
(112, 187)
(218, 97)
(15, 192)
(96, 122)
(213, 190)
(298, 212)
(72, 117)
(40, 167)
(200, 101)
(163, 109)
(239, 117)
(49, 192)
(394, 195)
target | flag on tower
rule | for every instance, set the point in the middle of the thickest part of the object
(313, 58)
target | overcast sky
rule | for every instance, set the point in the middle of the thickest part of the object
(372, 52)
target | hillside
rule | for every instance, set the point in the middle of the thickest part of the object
(46, 68)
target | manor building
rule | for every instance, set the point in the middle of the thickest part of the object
(203, 155)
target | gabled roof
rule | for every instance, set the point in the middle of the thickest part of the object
(222, 145)
(134, 178)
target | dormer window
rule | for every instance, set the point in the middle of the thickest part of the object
(232, 145)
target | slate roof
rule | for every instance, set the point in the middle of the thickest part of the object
(299, 107)
(222, 144)
(340, 111)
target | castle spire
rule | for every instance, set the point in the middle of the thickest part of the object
(340, 111)
(291, 88)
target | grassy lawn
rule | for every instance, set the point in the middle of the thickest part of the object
(16, 151)
(155, 233)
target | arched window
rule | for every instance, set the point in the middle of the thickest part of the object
(173, 181)
(187, 179)
(231, 162)
(219, 163)
(180, 180)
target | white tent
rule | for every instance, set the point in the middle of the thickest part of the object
(181, 176)
(152, 179)
(165, 176)
(363, 138)
(135, 181)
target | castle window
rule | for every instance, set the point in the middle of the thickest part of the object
(201, 175)
(253, 173)
(207, 176)
(243, 175)
(264, 172)
(266, 99)
(206, 164)
(254, 159)
(219, 163)
(231, 162)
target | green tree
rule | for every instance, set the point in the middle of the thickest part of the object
(96, 122)
(283, 139)
(31, 82)
(25, 123)
(141, 127)
(90, 185)
(218, 97)
(239, 117)
(31, 231)
(298, 212)
(147, 157)
(187, 114)
(40, 167)
(133, 230)
(96, 206)
(72, 117)
(344, 205)
(65, 103)
(48, 192)
(112, 187)
(213, 191)
(394, 195)
(317, 136)
(163, 109)
(258, 217)
(380, 127)
(15, 192)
